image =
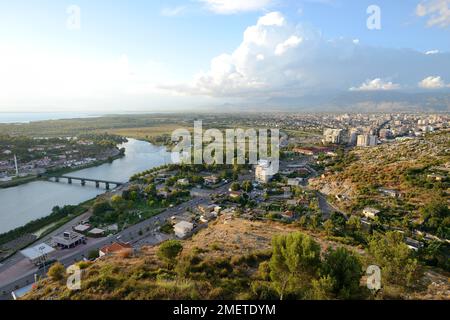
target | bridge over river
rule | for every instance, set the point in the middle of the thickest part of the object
(83, 181)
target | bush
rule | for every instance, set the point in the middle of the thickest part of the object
(167, 228)
(84, 264)
(169, 250)
(394, 257)
(345, 270)
(294, 256)
(101, 207)
(264, 291)
(57, 272)
(93, 254)
(215, 246)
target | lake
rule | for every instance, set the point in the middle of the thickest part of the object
(26, 117)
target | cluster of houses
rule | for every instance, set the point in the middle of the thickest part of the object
(45, 157)
(371, 213)
(187, 223)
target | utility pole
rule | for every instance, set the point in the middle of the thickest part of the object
(17, 167)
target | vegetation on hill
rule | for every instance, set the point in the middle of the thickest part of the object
(416, 169)
(260, 260)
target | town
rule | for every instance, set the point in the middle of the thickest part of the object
(22, 157)
(176, 201)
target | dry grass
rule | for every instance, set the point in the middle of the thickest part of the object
(239, 237)
(147, 132)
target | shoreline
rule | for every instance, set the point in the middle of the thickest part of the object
(62, 171)
(51, 225)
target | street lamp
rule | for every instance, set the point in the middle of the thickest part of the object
(43, 257)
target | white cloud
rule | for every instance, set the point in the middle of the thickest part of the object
(292, 42)
(437, 12)
(432, 83)
(235, 6)
(376, 85)
(432, 52)
(172, 12)
(31, 77)
(272, 19)
(279, 59)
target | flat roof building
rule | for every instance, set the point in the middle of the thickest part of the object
(82, 227)
(69, 239)
(183, 228)
(370, 212)
(38, 254)
(97, 232)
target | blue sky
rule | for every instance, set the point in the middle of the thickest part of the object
(142, 55)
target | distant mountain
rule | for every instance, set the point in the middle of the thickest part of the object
(367, 101)
(373, 101)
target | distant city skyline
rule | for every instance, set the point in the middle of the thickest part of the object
(114, 56)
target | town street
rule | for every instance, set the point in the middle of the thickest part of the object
(18, 272)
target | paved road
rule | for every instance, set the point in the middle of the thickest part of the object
(69, 257)
(14, 259)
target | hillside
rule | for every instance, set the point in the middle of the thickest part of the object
(228, 260)
(416, 169)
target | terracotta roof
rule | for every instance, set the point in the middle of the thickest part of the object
(115, 247)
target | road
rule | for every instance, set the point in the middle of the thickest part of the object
(23, 273)
(326, 207)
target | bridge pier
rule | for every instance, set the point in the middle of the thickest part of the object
(108, 184)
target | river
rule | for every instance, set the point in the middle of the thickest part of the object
(24, 203)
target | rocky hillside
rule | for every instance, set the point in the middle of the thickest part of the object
(417, 169)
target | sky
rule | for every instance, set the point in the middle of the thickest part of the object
(131, 56)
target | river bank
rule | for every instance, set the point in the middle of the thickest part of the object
(26, 210)
(19, 238)
(24, 180)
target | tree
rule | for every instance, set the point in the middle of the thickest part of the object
(303, 221)
(56, 272)
(169, 250)
(322, 289)
(150, 190)
(247, 186)
(345, 269)
(338, 220)
(315, 221)
(101, 207)
(394, 257)
(353, 224)
(435, 216)
(235, 186)
(295, 256)
(329, 227)
(93, 254)
(134, 195)
(197, 179)
(119, 203)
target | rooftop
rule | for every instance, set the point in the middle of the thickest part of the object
(37, 251)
